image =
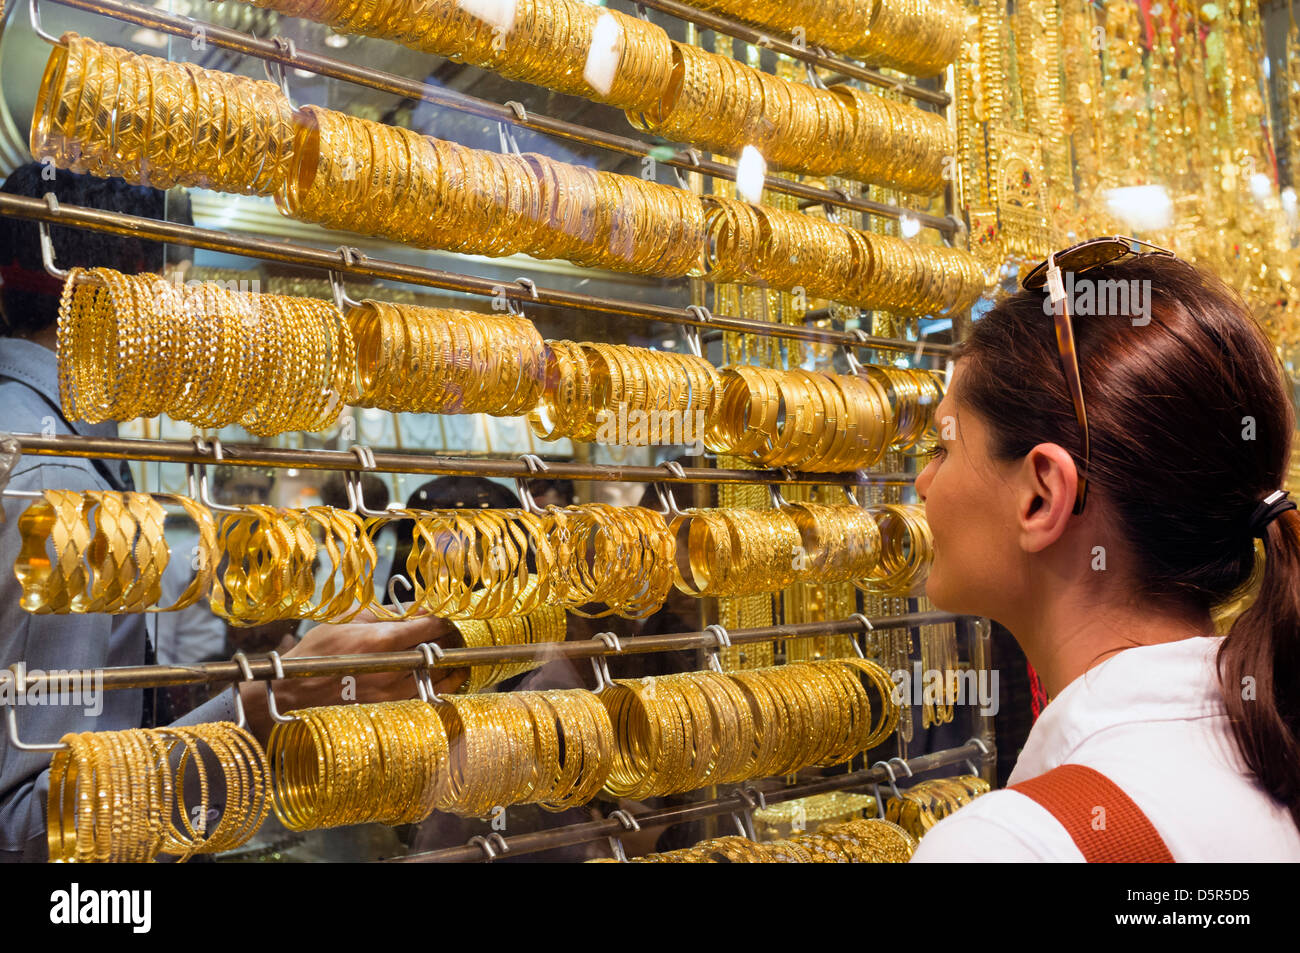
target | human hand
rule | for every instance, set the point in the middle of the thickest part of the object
(365, 634)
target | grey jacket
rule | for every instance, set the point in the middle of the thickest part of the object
(29, 403)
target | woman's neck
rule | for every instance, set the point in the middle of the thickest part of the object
(1065, 637)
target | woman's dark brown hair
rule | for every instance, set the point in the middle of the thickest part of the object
(1190, 417)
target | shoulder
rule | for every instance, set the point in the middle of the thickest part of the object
(1001, 826)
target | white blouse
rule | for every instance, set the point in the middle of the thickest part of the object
(1151, 719)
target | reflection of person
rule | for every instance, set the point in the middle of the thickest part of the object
(1111, 593)
(29, 394)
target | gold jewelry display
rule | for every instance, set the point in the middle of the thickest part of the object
(912, 36)
(926, 803)
(758, 244)
(860, 841)
(682, 732)
(444, 361)
(553, 748)
(108, 111)
(613, 393)
(352, 764)
(548, 43)
(906, 550)
(102, 551)
(438, 194)
(547, 624)
(115, 796)
(714, 102)
(138, 345)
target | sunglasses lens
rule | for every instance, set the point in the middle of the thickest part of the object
(1079, 258)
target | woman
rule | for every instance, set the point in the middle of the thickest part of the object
(1102, 524)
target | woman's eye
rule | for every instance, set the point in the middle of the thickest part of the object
(937, 452)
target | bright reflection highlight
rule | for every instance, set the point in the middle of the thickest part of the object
(1141, 207)
(604, 55)
(751, 171)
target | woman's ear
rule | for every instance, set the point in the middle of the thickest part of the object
(1046, 486)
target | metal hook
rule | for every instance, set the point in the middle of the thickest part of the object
(507, 139)
(485, 844)
(813, 79)
(341, 299)
(693, 155)
(246, 675)
(893, 781)
(393, 580)
(860, 337)
(433, 652)
(275, 70)
(201, 445)
(535, 464)
(515, 308)
(356, 496)
(691, 333)
(740, 826)
(600, 664)
(715, 652)
(47, 244)
(667, 500)
(906, 767)
(774, 491)
(755, 792)
(866, 624)
(278, 668)
(629, 823)
(34, 14)
(19, 672)
(747, 813)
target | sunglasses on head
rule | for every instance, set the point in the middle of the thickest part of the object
(1078, 259)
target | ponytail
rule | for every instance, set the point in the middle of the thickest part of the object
(1259, 668)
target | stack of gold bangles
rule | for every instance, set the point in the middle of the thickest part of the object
(906, 550)
(138, 345)
(350, 764)
(738, 551)
(381, 180)
(108, 111)
(642, 396)
(108, 553)
(444, 361)
(805, 419)
(925, 804)
(716, 102)
(553, 748)
(547, 42)
(683, 732)
(920, 37)
(547, 624)
(268, 557)
(397, 762)
(758, 244)
(103, 551)
(860, 841)
(115, 796)
(913, 394)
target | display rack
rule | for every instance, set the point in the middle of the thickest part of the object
(284, 54)
(278, 55)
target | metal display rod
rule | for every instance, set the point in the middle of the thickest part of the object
(263, 669)
(288, 55)
(761, 37)
(252, 455)
(590, 831)
(135, 226)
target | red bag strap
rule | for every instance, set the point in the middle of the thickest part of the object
(1103, 821)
